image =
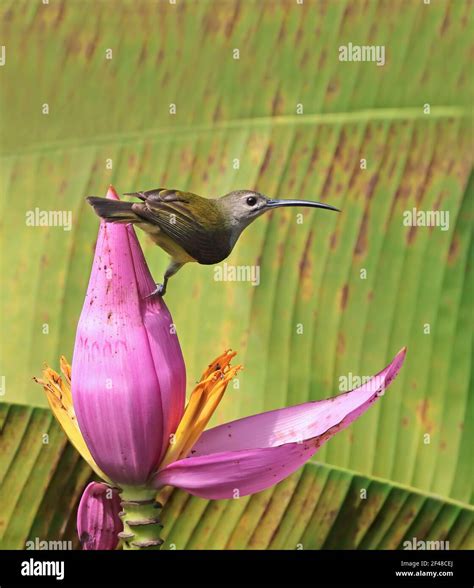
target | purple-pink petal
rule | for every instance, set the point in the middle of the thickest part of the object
(233, 474)
(98, 521)
(128, 374)
(296, 423)
(259, 451)
(164, 345)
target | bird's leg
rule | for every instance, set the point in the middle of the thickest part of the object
(160, 289)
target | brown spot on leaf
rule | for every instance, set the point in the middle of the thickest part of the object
(322, 59)
(160, 56)
(402, 193)
(313, 159)
(143, 54)
(304, 58)
(266, 159)
(423, 410)
(232, 21)
(361, 244)
(305, 263)
(277, 103)
(344, 296)
(453, 250)
(341, 343)
(371, 185)
(332, 87)
(409, 516)
(281, 33)
(391, 170)
(90, 48)
(411, 234)
(445, 24)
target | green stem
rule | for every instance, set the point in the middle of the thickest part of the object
(141, 525)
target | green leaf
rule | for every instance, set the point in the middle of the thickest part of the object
(339, 295)
(318, 507)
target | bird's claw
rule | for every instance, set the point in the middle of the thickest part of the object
(160, 290)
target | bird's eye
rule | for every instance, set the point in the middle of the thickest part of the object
(251, 201)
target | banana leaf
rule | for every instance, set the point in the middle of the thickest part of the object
(86, 100)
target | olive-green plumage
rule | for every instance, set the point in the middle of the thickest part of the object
(189, 227)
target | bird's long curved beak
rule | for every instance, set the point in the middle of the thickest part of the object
(277, 203)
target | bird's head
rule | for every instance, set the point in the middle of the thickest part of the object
(242, 207)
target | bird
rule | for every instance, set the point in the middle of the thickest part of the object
(191, 228)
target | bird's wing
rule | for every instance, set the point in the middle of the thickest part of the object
(170, 210)
(162, 195)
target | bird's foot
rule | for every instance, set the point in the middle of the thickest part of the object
(160, 290)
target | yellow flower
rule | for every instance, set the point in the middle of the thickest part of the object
(58, 393)
(202, 404)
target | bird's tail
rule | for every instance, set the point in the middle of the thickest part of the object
(113, 211)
